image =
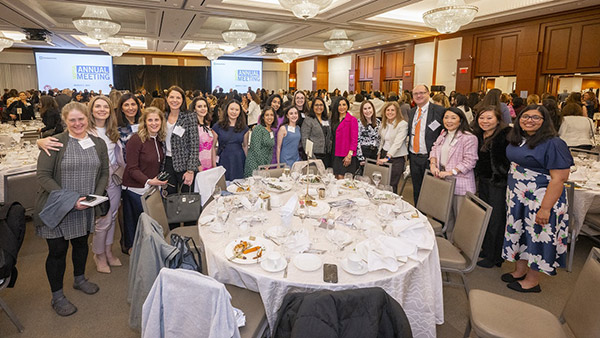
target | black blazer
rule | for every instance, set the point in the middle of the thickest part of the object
(434, 112)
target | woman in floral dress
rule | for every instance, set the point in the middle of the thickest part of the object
(207, 153)
(537, 220)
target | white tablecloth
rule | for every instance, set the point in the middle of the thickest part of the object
(417, 285)
(586, 201)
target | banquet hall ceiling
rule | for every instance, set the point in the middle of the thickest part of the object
(181, 26)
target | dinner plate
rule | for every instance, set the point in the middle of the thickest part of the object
(338, 236)
(279, 267)
(249, 257)
(320, 209)
(232, 188)
(217, 228)
(277, 186)
(363, 270)
(308, 262)
(344, 184)
(278, 231)
(205, 220)
(312, 179)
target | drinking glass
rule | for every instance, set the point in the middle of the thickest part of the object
(376, 176)
(348, 177)
(216, 193)
(302, 213)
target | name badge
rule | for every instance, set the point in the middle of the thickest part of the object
(303, 115)
(291, 129)
(271, 134)
(86, 143)
(134, 128)
(325, 123)
(434, 125)
(179, 130)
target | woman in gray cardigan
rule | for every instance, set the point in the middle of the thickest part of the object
(317, 129)
(79, 168)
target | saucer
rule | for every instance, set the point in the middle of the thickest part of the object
(212, 228)
(362, 202)
(307, 262)
(363, 270)
(279, 267)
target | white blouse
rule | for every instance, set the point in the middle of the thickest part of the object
(393, 139)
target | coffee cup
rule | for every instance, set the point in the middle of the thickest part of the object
(273, 258)
(355, 261)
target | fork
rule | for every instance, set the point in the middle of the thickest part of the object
(287, 259)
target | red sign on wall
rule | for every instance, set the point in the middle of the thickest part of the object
(463, 70)
(407, 73)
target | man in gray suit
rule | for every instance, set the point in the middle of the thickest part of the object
(63, 98)
(425, 122)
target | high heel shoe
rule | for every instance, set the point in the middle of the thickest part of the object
(102, 268)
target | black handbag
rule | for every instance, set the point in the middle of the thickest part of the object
(185, 259)
(103, 208)
(183, 207)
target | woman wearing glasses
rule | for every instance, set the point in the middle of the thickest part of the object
(536, 224)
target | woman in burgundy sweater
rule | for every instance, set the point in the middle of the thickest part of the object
(145, 156)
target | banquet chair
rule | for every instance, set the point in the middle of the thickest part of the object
(591, 227)
(5, 140)
(572, 239)
(593, 154)
(192, 232)
(152, 204)
(222, 184)
(460, 255)
(579, 317)
(21, 187)
(385, 170)
(197, 312)
(315, 167)
(274, 170)
(405, 177)
(13, 318)
(435, 200)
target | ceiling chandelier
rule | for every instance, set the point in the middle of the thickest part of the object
(114, 46)
(212, 51)
(5, 42)
(305, 9)
(238, 34)
(450, 15)
(287, 55)
(338, 42)
(96, 23)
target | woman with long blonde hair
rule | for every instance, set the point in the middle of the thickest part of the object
(393, 148)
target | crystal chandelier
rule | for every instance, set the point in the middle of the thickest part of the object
(287, 55)
(212, 51)
(96, 23)
(338, 42)
(449, 16)
(238, 34)
(5, 42)
(114, 46)
(305, 9)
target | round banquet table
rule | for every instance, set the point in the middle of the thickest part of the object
(416, 285)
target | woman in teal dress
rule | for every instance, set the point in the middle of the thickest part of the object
(288, 138)
(262, 142)
(232, 137)
(537, 220)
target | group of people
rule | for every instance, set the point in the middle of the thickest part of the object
(122, 150)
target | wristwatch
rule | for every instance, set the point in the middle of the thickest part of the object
(454, 172)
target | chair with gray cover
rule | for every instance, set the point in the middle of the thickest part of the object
(274, 170)
(435, 200)
(152, 204)
(385, 169)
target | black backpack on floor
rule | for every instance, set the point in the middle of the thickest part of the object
(12, 233)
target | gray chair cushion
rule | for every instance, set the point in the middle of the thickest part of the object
(450, 256)
(252, 306)
(495, 316)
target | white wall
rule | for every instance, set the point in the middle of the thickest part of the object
(424, 63)
(505, 83)
(571, 84)
(304, 73)
(448, 54)
(17, 69)
(275, 75)
(339, 68)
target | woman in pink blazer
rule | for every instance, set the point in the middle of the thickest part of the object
(454, 153)
(345, 138)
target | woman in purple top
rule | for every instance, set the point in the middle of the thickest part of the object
(345, 138)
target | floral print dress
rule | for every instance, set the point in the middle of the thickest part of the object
(206, 143)
(543, 246)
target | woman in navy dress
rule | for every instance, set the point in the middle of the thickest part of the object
(537, 221)
(232, 137)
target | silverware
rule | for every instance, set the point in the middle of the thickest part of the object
(316, 251)
(271, 239)
(345, 245)
(286, 267)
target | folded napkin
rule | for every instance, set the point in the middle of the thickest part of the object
(206, 181)
(287, 211)
(400, 225)
(298, 242)
(385, 252)
(402, 206)
(386, 211)
(240, 317)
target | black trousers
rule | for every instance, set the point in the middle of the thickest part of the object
(326, 158)
(175, 180)
(494, 235)
(397, 170)
(418, 164)
(56, 262)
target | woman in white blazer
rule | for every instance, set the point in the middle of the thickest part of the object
(393, 148)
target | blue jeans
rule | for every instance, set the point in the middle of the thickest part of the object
(132, 209)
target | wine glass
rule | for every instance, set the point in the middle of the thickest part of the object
(216, 193)
(376, 176)
(348, 177)
(302, 212)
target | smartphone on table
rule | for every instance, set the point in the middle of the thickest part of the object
(330, 273)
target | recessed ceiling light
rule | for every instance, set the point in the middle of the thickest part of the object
(359, 47)
(379, 43)
(414, 36)
(192, 6)
(387, 41)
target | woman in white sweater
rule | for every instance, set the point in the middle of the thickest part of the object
(576, 129)
(253, 108)
(393, 148)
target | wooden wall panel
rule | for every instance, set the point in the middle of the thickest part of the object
(589, 50)
(370, 65)
(389, 65)
(399, 65)
(485, 55)
(557, 47)
(508, 53)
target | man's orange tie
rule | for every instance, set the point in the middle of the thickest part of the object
(417, 136)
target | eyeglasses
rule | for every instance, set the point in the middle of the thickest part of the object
(534, 118)
(419, 93)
